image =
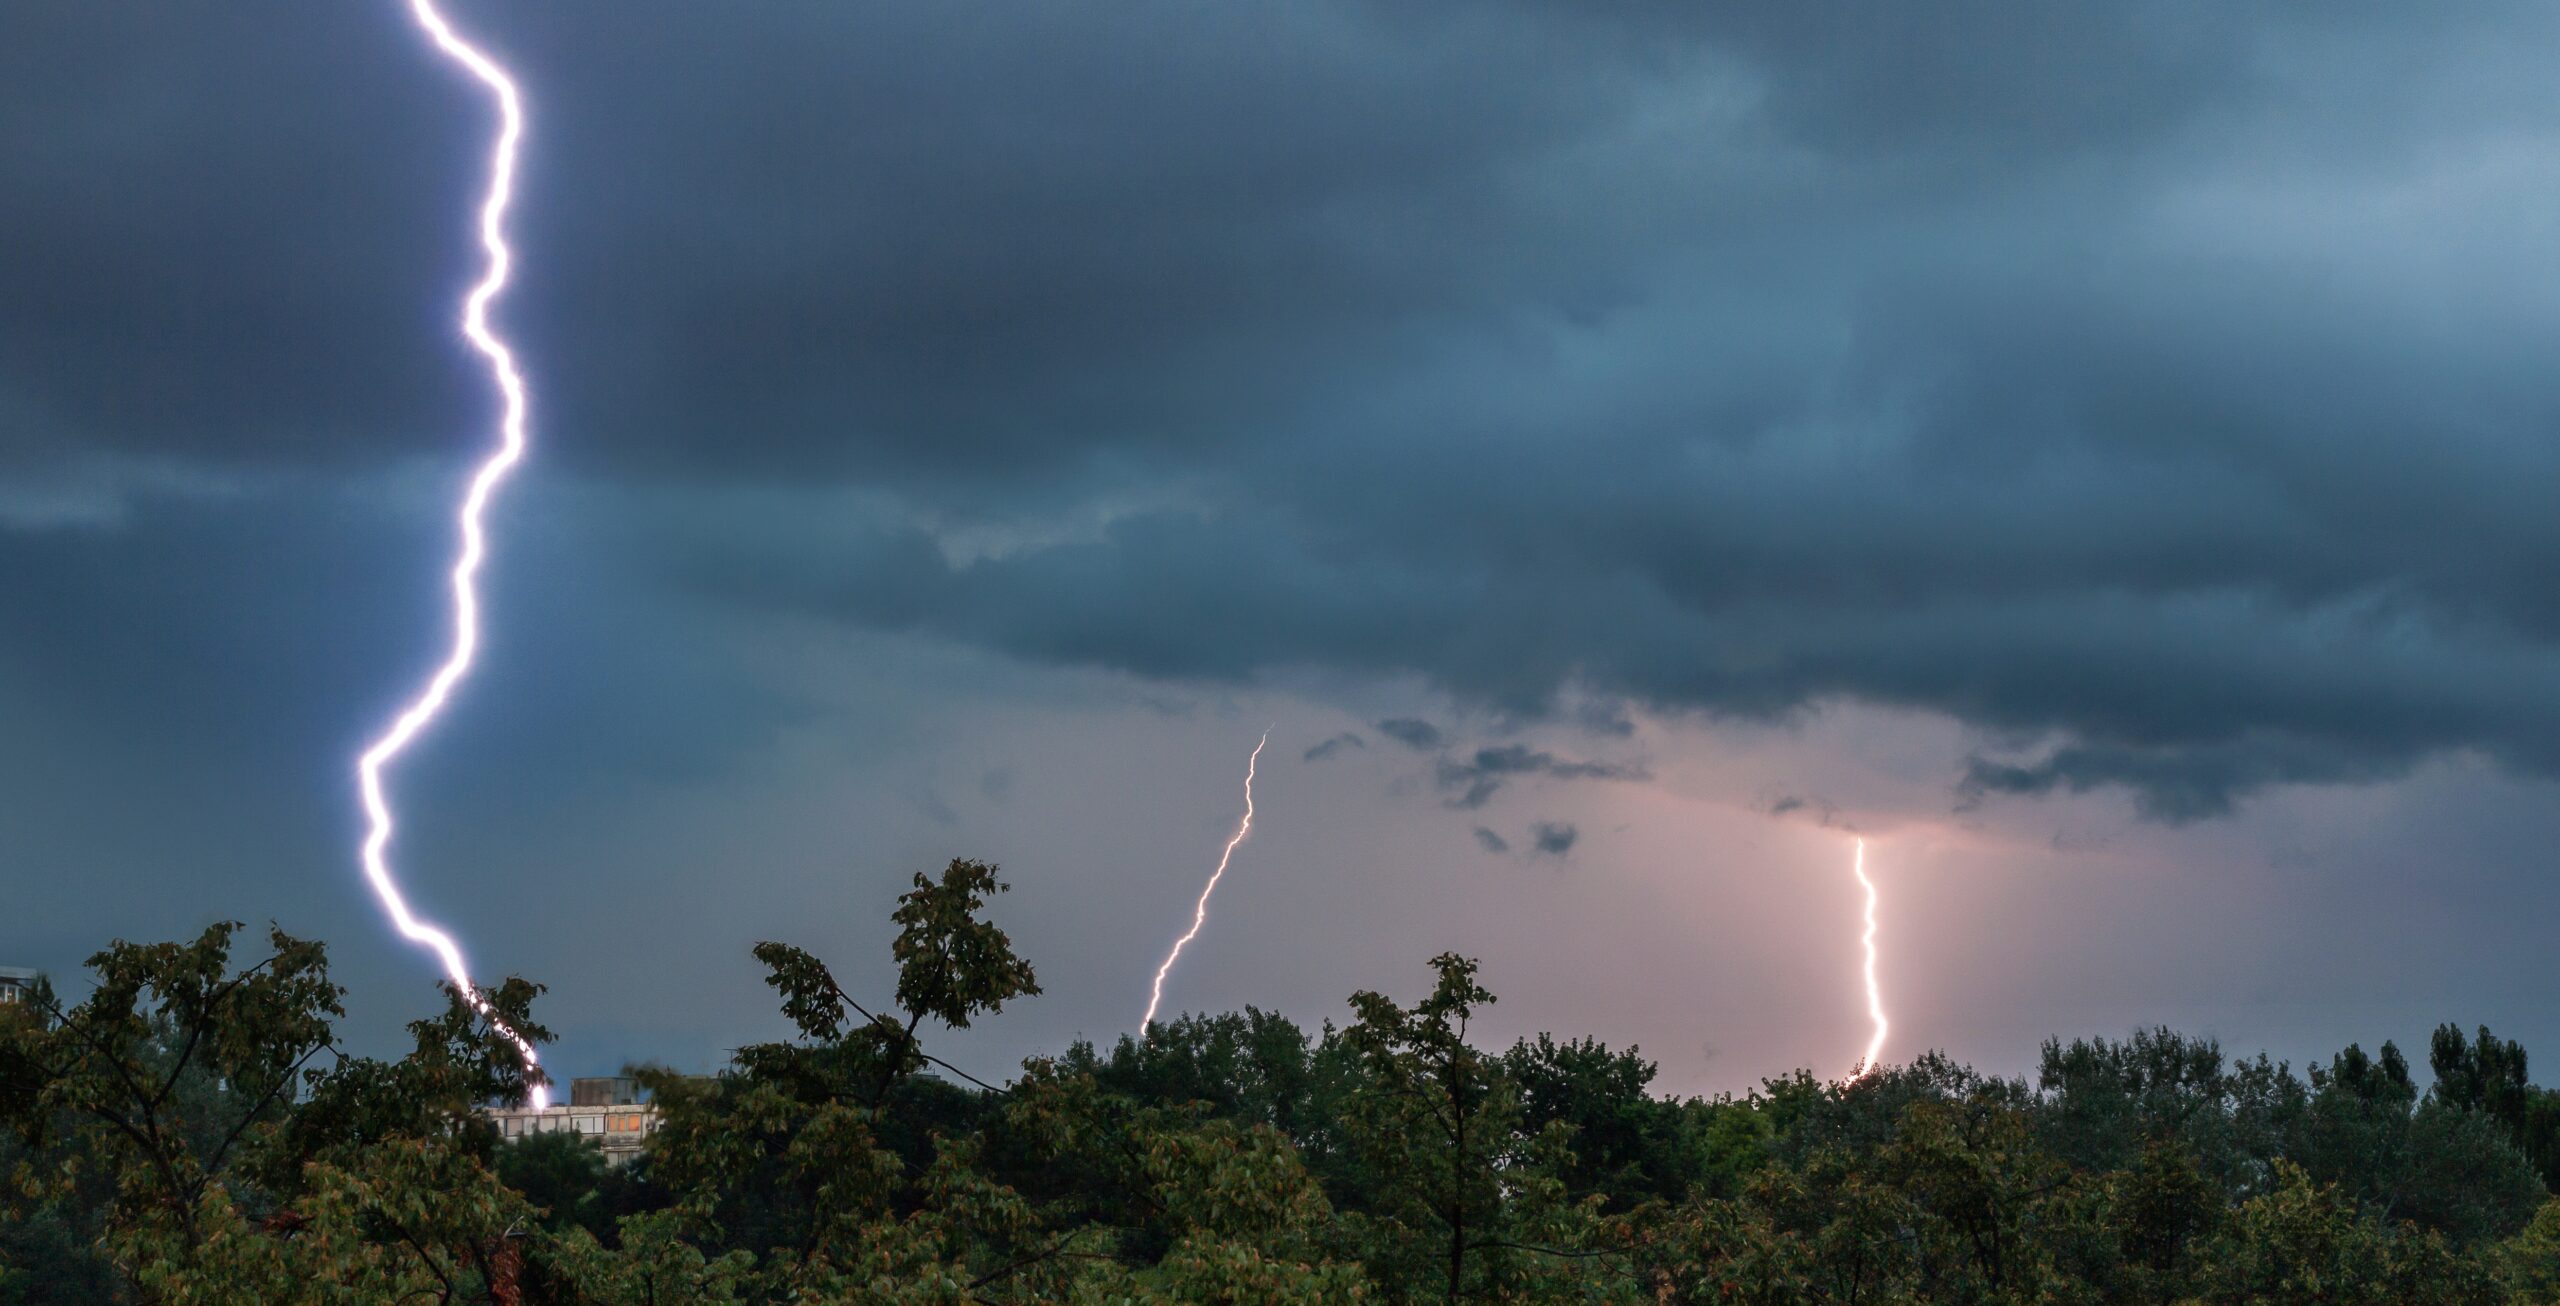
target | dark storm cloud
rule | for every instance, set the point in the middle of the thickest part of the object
(219, 244)
(2191, 785)
(780, 239)
(1823, 812)
(1421, 736)
(1475, 779)
(2153, 387)
(1491, 842)
(232, 643)
(1335, 745)
(1604, 719)
(1553, 838)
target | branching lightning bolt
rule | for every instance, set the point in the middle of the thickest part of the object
(1200, 913)
(422, 710)
(1875, 996)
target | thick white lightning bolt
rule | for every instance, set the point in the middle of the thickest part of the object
(1200, 913)
(1875, 996)
(422, 710)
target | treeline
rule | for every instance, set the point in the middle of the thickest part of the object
(190, 1134)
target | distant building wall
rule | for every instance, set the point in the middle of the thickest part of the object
(608, 1112)
(16, 982)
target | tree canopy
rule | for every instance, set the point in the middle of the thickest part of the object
(190, 1132)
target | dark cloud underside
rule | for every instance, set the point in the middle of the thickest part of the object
(2157, 388)
(1553, 838)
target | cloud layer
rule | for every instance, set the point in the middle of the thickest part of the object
(2155, 390)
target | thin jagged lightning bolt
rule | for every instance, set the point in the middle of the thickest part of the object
(1200, 913)
(422, 710)
(1875, 996)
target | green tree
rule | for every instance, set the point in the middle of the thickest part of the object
(785, 1159)
(1625, 1142)
(1462, 1201)
(2487, 1075)
(251, 1162)
(1254, 1067)
(191, 1134)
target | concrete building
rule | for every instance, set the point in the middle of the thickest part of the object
(15, 983)
(607, 1111)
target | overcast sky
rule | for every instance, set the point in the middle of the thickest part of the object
(2104, 454)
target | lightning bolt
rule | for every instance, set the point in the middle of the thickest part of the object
(1875, 996)
(422, 710)
(1200, 913)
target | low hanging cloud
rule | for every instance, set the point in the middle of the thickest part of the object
(1553, 838)
(1820, 811)
(1420, 736)
(1491, 842)
(1472, 781)
(2196, 784)
(1335, 745)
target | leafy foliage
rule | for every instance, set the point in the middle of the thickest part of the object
(190, 1133)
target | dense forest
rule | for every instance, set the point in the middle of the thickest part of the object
(189, 1133)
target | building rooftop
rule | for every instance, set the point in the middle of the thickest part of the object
(607, 1111)
(614, 1090)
